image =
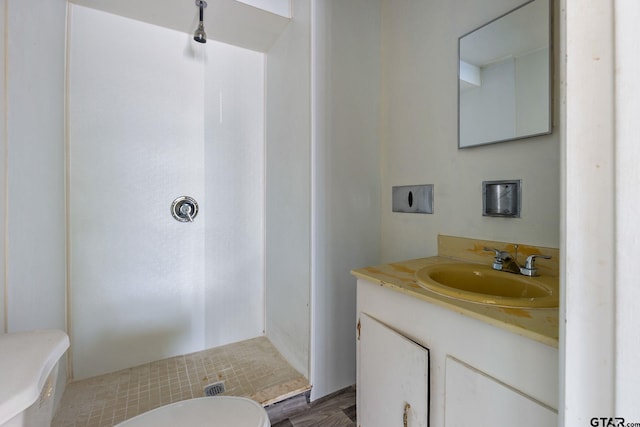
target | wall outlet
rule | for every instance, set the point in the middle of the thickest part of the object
(412, 198)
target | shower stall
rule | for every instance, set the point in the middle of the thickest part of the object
(152, 117)
(115, 113)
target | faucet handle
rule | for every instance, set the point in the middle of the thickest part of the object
(529, 268)
(499, 259)
(499, 255)
(531, 260)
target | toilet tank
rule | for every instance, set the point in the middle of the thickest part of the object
(28, 371)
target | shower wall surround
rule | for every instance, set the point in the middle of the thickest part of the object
(153, 116)
(234, 192)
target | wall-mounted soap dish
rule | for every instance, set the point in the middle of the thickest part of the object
(501, 198)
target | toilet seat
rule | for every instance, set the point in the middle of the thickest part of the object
(218, 411)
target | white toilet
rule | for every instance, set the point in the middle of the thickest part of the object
(218, 411)
(28, 374)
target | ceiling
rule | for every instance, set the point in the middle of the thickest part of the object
(229, 21)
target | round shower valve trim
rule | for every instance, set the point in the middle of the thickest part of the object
(184, 209)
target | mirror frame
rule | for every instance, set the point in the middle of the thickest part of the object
(551, 68)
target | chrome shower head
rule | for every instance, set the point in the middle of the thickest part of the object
(199, 35)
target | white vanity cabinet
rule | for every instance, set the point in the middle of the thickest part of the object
(394, 377)
(471, 395)
(452, 368)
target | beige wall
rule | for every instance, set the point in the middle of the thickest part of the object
(419, 137)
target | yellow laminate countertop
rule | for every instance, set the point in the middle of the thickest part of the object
(540, 324)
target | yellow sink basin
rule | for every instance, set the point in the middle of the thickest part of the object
(481, 284)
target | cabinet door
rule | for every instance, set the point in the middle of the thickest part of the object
(476, 399)
(393, 382)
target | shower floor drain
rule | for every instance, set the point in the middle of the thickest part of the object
(214, 389)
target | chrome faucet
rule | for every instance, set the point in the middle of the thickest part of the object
(503, 261)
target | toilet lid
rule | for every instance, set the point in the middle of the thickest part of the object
(218, 411)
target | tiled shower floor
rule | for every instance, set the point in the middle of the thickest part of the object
(251, 368)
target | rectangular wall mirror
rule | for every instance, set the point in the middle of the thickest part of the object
(505, 77)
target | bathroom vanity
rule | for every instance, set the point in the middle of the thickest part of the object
(426, 359)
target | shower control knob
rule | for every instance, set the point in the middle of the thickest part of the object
(184, 209)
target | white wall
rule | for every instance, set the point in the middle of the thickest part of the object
(488, 112)
(234, 190)
(419, 138)
(279, 7)
(599, 336)
(346, 178)
(532, 98)
(136, 135)
(588, 340)
(3, 177)
(288, 190)
(154, 116)
(35, 162)
(36, 179)
(511, 101)
(627, 90)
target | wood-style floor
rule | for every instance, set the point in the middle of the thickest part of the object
(335, 410)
